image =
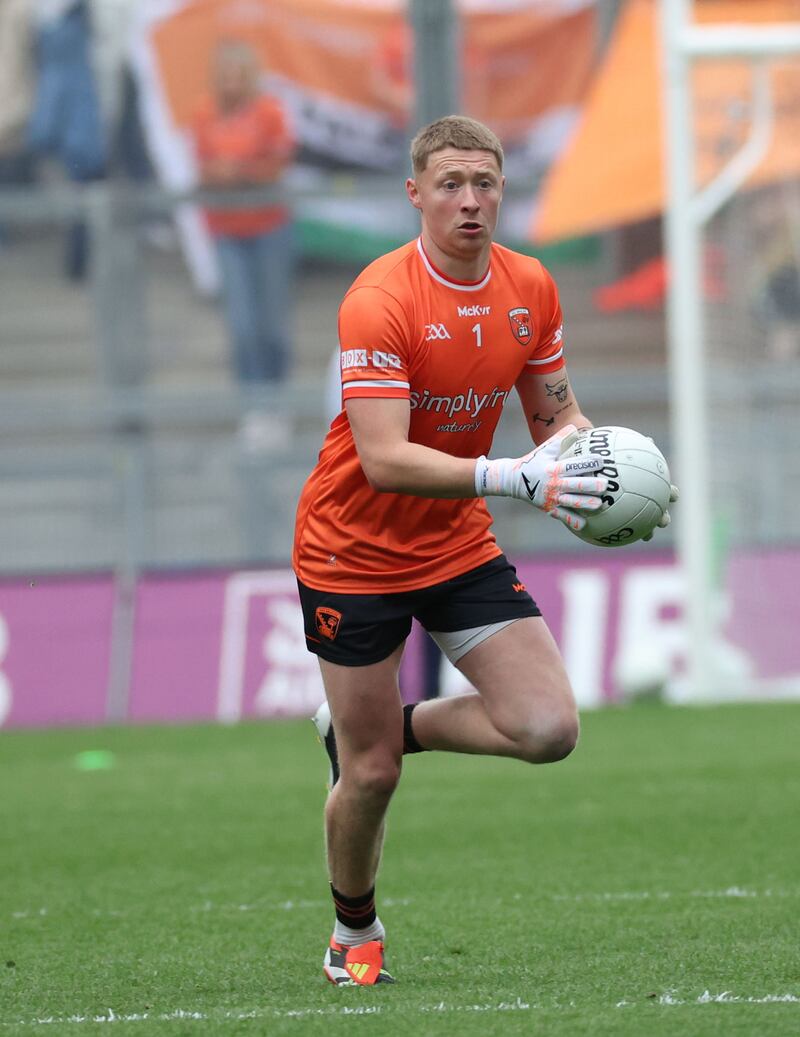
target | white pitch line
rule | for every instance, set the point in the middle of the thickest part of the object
(209, 905)
(179, 1014)
(727, 998)
(292, 1013)
(735, 892)
(442, 1007)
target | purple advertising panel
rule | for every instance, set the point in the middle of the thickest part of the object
(221, 646)
(760, 611)
(226, 646)
(176, 647)
(55, 645)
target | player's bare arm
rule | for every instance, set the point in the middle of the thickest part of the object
(392, 464)
(549, 403)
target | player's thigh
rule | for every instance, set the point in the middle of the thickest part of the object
(359, 640)
(365, 706)
(521, 677)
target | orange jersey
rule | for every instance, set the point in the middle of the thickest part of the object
(256, 131)
(454, 351)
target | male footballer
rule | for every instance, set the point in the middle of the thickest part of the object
(392, 523)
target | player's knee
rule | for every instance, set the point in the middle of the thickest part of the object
(562, 739)
(374, 777)
(550, 738)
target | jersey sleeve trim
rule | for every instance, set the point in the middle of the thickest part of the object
(546, 360)
(386, 387)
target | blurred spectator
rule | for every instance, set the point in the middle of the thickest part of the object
(66, 122)
(16, 92)
(243, 139)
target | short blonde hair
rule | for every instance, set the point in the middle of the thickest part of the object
(453, 131)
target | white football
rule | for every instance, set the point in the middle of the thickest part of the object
(638, 485)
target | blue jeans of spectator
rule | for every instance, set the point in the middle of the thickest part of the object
(257, 274)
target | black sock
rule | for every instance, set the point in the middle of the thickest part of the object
(354, 912)
(410, 743)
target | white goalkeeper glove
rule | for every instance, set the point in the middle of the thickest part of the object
(561, 488)
(665, 520)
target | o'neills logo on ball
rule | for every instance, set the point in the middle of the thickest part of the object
(328, 621)
(521, 324)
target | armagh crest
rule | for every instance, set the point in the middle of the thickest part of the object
(328, 621)
(521, 324)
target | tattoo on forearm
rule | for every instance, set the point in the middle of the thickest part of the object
(545, 421)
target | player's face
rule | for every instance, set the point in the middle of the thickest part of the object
(458, 195)
(236, 80)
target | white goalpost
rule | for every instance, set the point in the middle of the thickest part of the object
(690, 209)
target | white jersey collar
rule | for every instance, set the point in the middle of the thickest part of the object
(459, 286)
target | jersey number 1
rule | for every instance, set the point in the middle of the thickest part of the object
(478, 339)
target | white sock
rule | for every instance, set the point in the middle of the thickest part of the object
(348, 937)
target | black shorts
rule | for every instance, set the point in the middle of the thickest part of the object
(360, 629)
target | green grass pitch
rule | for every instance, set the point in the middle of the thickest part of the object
(648, 885)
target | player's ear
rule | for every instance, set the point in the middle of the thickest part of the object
(413, 193)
